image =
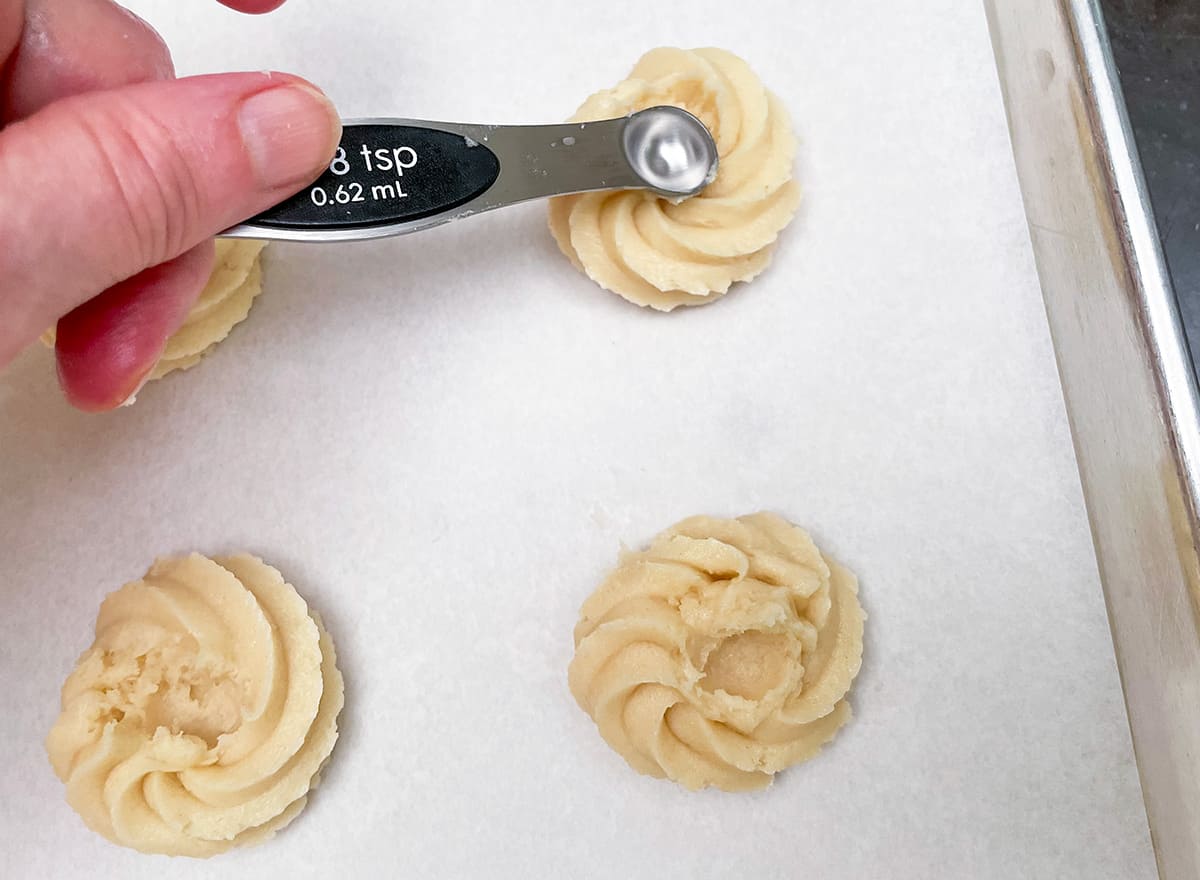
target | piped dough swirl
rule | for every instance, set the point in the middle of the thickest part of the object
(202, 714)
(722, 654)
(657, 253)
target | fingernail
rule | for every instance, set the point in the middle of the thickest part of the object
(289, 132)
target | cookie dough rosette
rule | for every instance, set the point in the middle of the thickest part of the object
(662, 254)
(721, 654)
(204, 711)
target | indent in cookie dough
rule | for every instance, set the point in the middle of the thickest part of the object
(660, 254)
(224, 303)
(204, 711)
(722, 654)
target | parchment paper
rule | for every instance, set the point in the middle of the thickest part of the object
(443, 440)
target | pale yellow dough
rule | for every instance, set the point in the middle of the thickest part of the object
(722, 654)
(659, 254)
(204, 711)
(224, 303)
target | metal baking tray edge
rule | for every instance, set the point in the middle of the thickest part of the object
(1127, 380)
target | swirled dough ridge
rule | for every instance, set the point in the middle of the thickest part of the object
(722, 654)
(202, 714)
(224, 303)
(660, 254)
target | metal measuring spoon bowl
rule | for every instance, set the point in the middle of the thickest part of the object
(671, 150)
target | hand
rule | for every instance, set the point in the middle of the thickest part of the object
(114, 176)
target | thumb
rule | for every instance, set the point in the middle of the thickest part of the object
(98, 187)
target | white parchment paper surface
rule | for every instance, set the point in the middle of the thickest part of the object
(443, 440)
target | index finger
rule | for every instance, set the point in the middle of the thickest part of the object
(254, 7)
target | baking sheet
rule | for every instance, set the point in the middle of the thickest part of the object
(443, 440)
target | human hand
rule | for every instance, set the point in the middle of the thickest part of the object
(114, 176)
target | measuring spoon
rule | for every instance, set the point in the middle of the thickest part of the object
(394, 176)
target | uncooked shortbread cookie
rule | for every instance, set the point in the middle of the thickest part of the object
(657, 253)
(722, 654)
(201, 716)
(224, 303)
